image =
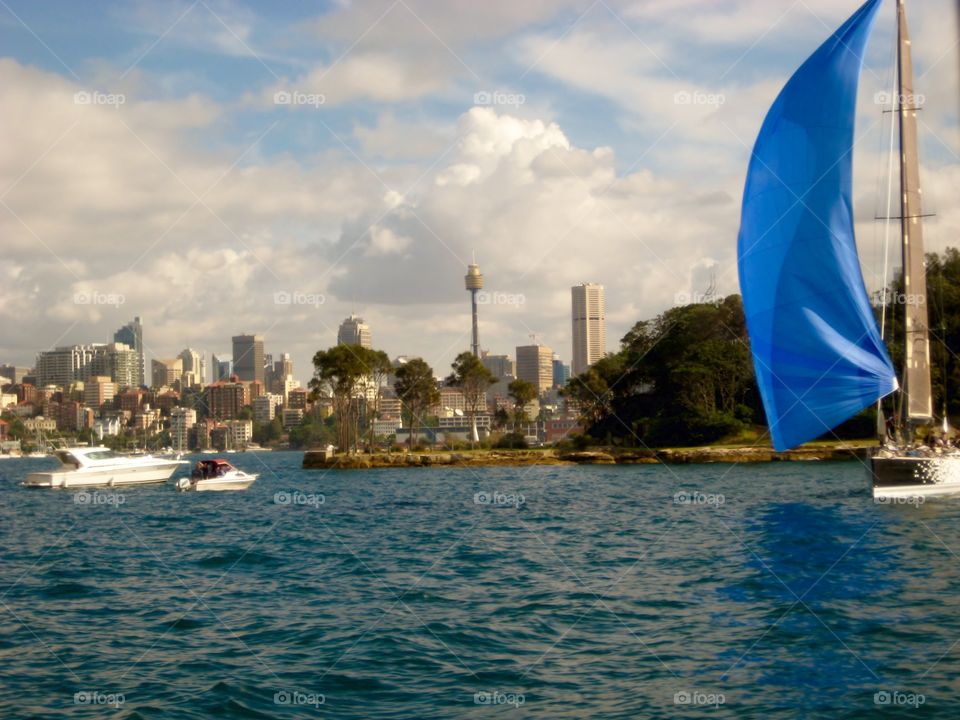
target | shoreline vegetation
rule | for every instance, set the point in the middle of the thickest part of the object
(826, 451)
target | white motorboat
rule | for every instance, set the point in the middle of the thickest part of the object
(100, 466)
(215, 475)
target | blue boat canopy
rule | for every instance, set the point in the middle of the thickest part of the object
(817, 350)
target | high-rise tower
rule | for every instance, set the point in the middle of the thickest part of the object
(474, 283)
(354, 331)
(131, 334)
(248, 357)
(589, 325)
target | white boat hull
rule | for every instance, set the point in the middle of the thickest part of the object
(902, 476)
(107, 477)
(238, 482)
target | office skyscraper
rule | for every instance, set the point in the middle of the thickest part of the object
(535, 365)
(589, 325)
(561, 372)
(248, 357)
(353, 331)
(194, 366)
(222, 368)
(131, 335)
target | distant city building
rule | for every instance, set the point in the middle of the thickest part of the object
(165, 373)
(561, 372)
(265, 408)
(280, 372)
(353, 331)
(110, 426)
(181, 421)
(98, 391)
(560, 428)
(222, 368)
(589, 325)
(131, 335)
(16, 374)
(121, 362)
(224, 400)
(287, 386)
(502, 366)
(248, 357)
(64, 365)
(131, 401)
(194, 367)
(240, 433)
(535, 365)
(297, 399)
(291, 417)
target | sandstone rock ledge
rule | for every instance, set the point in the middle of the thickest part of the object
(321, 460)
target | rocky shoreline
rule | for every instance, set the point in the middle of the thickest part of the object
(324, 460)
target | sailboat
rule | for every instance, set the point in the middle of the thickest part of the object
(818, 352)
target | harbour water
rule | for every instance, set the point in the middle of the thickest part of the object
(770, 591)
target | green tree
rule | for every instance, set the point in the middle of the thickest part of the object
(473, 379)
(417, 389)
(378, 367)
(337, 373)
(682, 378)
(522, 393)
(346, 373)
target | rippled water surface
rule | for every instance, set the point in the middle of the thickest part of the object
(779, 590)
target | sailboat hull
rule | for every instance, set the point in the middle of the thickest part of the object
(901, 476)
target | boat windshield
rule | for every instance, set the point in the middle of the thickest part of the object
(102, 455)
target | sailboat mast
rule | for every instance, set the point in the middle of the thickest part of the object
(918, 407)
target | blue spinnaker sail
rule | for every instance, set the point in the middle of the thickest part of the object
(817, 351)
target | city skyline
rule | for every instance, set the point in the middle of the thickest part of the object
(526, 139)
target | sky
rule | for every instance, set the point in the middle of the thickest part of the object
(220, 167)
